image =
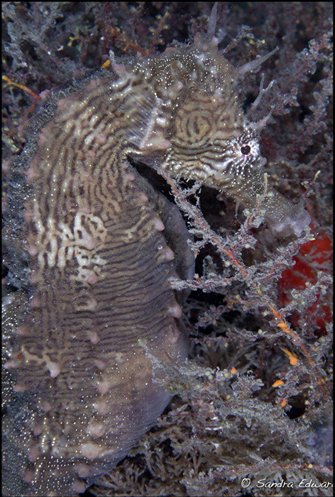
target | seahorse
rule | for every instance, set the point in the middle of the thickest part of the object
(80, 390)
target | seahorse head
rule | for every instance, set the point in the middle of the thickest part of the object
(189, 108)
(190, 112)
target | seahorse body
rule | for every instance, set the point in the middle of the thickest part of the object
(99, 281)
(80, 387)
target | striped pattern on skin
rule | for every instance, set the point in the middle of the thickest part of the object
(80, 387)
(100, 271)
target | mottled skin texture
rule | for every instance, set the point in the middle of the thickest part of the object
(80, 387)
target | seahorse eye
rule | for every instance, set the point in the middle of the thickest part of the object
(245, 149)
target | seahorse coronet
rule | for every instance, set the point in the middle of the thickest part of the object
(80, 387)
